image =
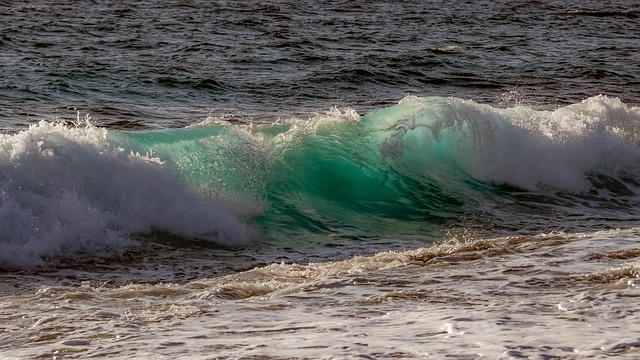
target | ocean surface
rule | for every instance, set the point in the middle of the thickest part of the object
(320, 179)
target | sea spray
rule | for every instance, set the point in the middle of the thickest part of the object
(517, 146)
(66, 189)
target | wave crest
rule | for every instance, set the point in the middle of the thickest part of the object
(517, 146)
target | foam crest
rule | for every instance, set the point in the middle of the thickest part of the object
(519, 146)
(67, 190)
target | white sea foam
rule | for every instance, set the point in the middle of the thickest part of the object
(67, 190)
(518, 146)
(551, 295)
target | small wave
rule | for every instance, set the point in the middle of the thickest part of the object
(282, 279)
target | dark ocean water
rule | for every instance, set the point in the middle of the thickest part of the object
(326, 179)
(169, 63)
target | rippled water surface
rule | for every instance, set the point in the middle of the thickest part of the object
(319, 179)
(172, 62)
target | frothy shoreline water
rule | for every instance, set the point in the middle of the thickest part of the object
(318, 283)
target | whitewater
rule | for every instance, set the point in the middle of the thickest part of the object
(319, 179)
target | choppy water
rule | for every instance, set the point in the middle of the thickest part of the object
(319, 179)
(166, 64)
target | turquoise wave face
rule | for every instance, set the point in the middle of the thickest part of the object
(324, 176)
(337, 181)
(411, 170)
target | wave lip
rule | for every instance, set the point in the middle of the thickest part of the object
(519, 146)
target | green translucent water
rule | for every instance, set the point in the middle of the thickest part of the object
(411, 170)
(329, 176)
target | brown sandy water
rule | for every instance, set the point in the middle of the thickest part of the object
(555, 295)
